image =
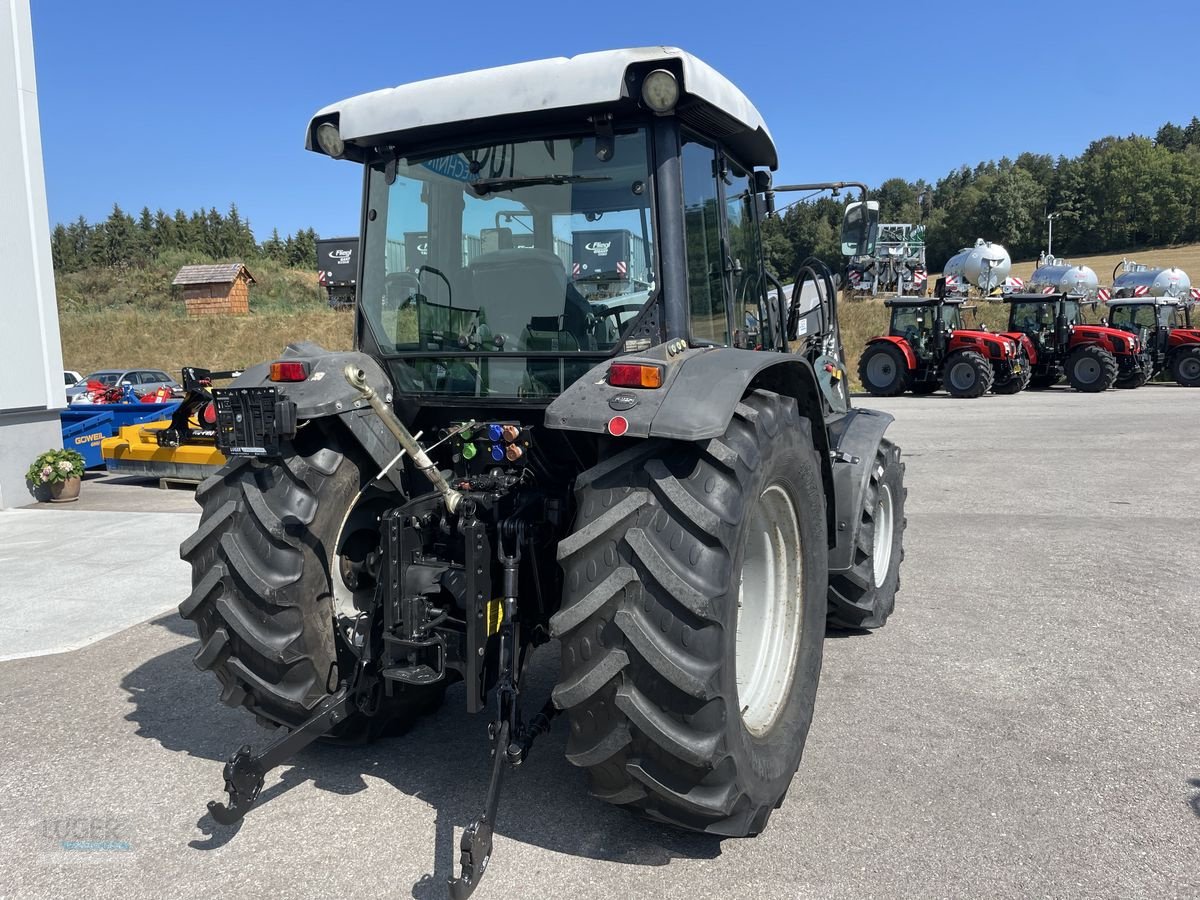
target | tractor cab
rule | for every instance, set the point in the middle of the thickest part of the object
(504, 262)
(1153, 319)
(1046, 319)
(926, 324)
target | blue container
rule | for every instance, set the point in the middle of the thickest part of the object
(85, 426)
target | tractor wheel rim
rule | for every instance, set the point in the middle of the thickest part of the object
(1087, 370)
(361, 516)
(1190, 369)
(770, 614)
(880, 370)
(884, 524)
(962, 376)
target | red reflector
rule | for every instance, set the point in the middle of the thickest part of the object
(618, 425)
(635, 375)
(289, 371)
(208, 414)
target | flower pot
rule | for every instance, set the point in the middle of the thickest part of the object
(65, 491)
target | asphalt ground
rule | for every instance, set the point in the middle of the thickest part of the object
(1027, 725)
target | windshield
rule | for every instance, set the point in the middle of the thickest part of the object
(1032, 317)
(105, 378)
(506, 256)
(951, 316)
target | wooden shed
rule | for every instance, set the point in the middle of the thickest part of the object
(216, 290)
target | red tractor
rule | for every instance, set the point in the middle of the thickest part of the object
(927, 347)
(1093, 357)
(1164, 327)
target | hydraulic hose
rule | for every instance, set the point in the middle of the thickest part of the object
(358, 380)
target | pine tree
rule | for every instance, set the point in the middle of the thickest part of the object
(273, 248)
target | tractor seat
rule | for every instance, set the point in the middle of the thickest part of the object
(523, 294)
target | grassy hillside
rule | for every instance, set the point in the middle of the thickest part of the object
(113, 317)
(104, 329)
(149, 287)
(170, 340)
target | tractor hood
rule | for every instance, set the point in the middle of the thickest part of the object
(1103, 334)
(1005, 343)
(1181, 336)
(443, 107)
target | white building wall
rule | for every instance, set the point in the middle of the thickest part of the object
(31, 382)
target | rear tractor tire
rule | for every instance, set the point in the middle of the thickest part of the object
(1092, 369)
(865, 595)
(884, 371)
(967, 374)
(693, 620)
(1185, 367)
(265, 591)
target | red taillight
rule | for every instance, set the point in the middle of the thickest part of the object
(289, 371)
(208, 414)
(618, 425)
(635, 375)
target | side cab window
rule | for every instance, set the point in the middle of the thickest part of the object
(702, 231)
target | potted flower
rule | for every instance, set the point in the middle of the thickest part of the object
(59, 471)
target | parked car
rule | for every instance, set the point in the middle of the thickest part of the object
(71, 377)
(143, 381)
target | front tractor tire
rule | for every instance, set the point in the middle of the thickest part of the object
(1185, 367)
(1092, 369)
(1013, 384)
(1045, 381)
(693, 620)
(865, 595)
(273, 538)
(884, 371)
(1134, 380)
(967, 374)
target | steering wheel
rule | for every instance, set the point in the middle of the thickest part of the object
(440, 274)
(614, 313)
(396, 283)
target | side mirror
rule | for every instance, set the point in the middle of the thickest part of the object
(762, 185)
(859, 226)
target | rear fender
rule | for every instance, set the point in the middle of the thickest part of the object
(855, 438)
(326, 393)
(701, 388)
(909, 356)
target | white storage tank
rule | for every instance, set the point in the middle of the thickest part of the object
(1132, 279)
(1061, 277)
(984, 266)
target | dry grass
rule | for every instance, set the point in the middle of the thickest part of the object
(169, 340)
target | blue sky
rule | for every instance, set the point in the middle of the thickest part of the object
(190, 105)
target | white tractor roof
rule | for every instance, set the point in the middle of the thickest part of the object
(590, 79)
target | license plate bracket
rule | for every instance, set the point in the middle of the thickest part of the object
(252, 421)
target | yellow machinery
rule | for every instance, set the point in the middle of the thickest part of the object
(180, 448)
(135, 451)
